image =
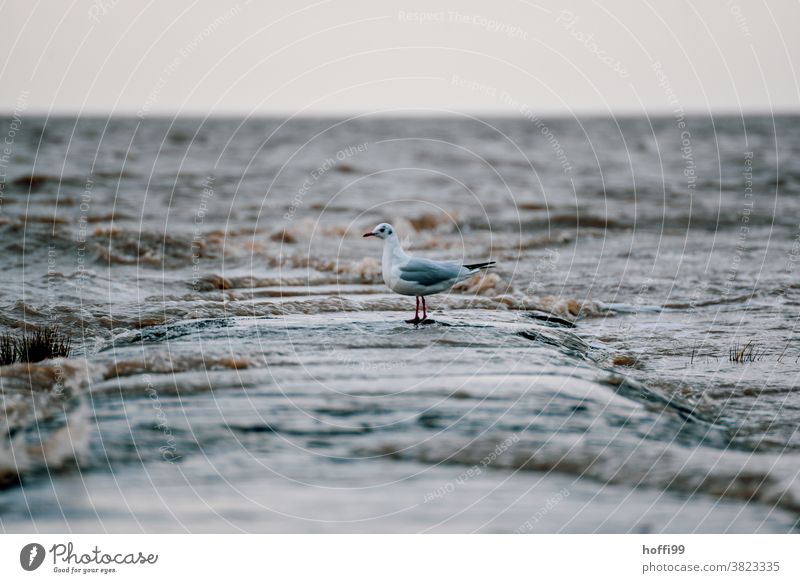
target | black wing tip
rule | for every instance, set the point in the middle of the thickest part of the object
(484, 265)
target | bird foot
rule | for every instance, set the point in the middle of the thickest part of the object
(413, 321)
(426, 321)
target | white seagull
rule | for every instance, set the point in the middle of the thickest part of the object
(413, 276)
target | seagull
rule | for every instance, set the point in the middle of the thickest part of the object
(414, 276)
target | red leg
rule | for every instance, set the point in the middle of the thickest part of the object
(416, 314)
(424, 309)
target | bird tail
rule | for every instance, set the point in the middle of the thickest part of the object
(484, 265)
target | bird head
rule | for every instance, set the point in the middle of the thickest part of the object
(382, 231)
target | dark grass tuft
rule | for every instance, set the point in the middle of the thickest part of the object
(749, 353)
(8, 349)
(34, 345)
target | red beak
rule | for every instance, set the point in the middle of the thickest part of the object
(369, 234)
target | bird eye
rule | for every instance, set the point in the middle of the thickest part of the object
(383, 229)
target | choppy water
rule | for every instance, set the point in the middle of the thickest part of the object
(239, 364)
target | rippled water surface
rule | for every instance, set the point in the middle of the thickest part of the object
(238, 365)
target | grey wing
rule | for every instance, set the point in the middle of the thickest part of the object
(427, 272)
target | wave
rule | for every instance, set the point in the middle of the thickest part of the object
(95, 322)
(44, 417)
(765, 478)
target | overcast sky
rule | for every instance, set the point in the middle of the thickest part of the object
(504, 56)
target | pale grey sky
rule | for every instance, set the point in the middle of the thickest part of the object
(503, 56)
